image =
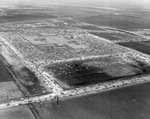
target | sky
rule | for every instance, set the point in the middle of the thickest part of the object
(141, 4)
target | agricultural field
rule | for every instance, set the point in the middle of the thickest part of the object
(115, 36)
(129, 102)
(25, 17)
(1, 21)
(143, 47)
(20, 15)
(4, 73)
(21, 112)
(25, 14)
(90, 27)
(79, 73)
(8, 88)
(31, 82)
(24, 75)
(9, 91)
(144, 32)
(121, 21)
(69, 11)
